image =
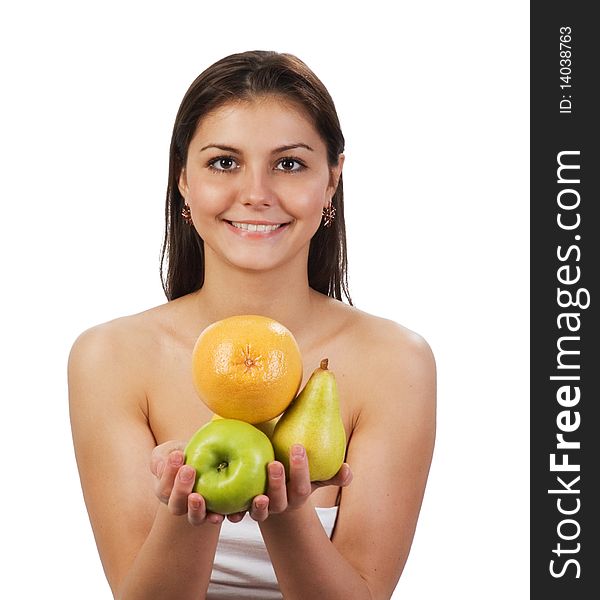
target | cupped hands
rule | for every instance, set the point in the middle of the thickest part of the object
(174, 483)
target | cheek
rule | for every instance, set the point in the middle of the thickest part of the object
(304, 200)
(208, 199)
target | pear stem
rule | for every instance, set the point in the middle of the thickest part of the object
(324, 364)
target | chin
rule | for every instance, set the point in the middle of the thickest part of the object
(261, 257)
(254, 265)
(257, 262)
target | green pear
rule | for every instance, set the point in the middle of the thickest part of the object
(313, 419)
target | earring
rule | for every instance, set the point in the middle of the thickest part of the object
(328, 214)
(186, 213)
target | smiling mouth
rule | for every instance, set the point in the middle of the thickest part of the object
(260, 228)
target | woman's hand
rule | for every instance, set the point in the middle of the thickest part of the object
(175, 482)
(281, 497)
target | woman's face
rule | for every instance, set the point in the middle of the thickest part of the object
(256, 180)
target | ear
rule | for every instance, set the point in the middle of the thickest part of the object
(334, 176)
(182, 183)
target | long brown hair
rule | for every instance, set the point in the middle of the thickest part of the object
(245, 76)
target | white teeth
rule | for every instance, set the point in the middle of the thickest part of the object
(254, 227)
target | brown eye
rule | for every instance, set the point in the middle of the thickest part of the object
(289, 164)
(223, 163)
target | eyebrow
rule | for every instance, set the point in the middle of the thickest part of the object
(237, 151)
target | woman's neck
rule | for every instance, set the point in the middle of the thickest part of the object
(282, 294)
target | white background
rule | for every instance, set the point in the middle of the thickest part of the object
(433, 98)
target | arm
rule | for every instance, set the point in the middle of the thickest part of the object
(390, 452)
(148, 549)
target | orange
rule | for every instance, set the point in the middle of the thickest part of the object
(247, 367)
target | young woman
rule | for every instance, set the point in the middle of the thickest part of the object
(255, 225)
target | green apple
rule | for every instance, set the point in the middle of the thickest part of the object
(230, 458)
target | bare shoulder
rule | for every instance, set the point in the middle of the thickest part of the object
(130, 338)
(395, 347)
(382, 332)
(396, 365)
(383, 344)
(112, 339)
(121, 332)
(125, 349)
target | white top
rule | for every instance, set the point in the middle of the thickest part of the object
(242, 568)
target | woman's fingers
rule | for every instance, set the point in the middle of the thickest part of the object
(259, 510)
(276, 490)
(236, 517)
(299, 487)
(175, 483)
(167, 472)
(198, 513)
(182, 488)
(341, 479)
(215, 518)
(196, 509)
(160, 454)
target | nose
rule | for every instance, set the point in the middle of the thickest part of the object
(257, 190)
